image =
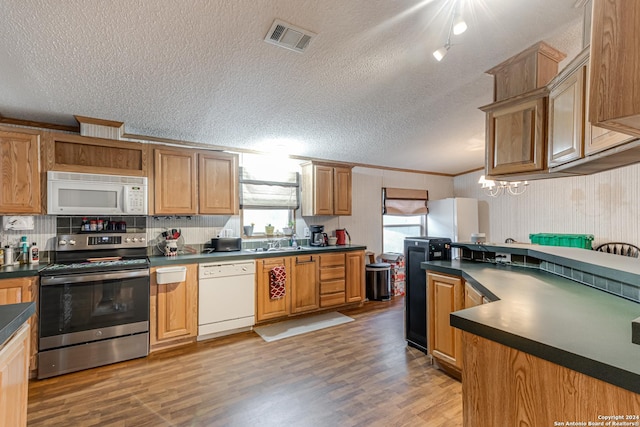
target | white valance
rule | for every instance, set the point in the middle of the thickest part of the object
(273, 190)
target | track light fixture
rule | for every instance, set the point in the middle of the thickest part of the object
(457, 27)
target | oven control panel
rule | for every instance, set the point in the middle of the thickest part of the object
(75, 242)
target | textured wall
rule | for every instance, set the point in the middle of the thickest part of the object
(605, 205)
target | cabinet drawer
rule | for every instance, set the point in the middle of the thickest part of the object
(332, 286)
(328, 260)
(332, 273)
(329, 300)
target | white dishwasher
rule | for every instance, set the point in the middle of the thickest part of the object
(226, 298)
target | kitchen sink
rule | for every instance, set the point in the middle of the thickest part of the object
(283, 249)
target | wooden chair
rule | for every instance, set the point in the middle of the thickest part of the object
(618, 248)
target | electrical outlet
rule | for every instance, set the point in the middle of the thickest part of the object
(503, 258)
(307, 232)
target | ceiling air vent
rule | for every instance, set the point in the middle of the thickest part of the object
(288, 36)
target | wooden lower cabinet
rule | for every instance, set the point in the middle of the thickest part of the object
(502, 386)
(445, 294)
(14, 378)
(332, 279)
(305, 288)
(355, 276)
(23, 289)
(267, 308)
(314, 282)
(472, 297)
(173, 310)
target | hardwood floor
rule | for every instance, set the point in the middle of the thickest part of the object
(358, 374)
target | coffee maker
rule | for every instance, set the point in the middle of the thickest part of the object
(318, 236)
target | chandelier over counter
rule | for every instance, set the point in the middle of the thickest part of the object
(495, 189)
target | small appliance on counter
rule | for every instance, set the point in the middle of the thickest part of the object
(318, 236)
(225, 244)
(342, 234)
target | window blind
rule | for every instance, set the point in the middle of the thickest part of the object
(401, 201)
(269, 190)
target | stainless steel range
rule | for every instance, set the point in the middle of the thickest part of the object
(94, 302)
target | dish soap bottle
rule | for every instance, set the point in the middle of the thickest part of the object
(24, 250)
(34, 254)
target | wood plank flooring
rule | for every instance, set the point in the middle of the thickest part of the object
(358, 374)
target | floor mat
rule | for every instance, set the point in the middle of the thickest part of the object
(290, 328)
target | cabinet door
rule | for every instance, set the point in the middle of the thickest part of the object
(472, 297)
(175, 181)
(14, 379)
(23, 289)
(615, 60)
(19, 173)
(516, 137)
(566, 119)
(341, 191)
(305, 288)
(323, 190)
(218, 184)
(268, 308)
(174, 308)
(355, 276)
(597, 138)
(445, 297)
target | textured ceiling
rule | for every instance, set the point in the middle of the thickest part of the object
(367, 90)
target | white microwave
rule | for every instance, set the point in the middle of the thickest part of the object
(70, 193)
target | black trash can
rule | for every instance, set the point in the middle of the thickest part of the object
(378, 281)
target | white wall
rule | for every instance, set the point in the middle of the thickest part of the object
(365, 223)
(606, 205)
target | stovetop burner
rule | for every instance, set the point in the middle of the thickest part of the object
(88, 266)
(80, 253)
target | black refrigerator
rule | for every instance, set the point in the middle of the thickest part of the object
(417, 250)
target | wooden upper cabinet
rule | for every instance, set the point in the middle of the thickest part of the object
(218, 183)
(445, 295)
(529, 70)
(614, 99)
(516, 134)
(20, 173)
(83, 154)
(575, 145)
(567, 115)
(326, 189)
(341, 191)
(175, 181)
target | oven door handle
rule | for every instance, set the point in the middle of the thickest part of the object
(92, 277)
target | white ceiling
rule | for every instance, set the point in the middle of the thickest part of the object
(367, 90)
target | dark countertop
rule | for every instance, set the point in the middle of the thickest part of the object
(12, 316)
(548, 316)
(248, 255)
(624, 269)
(158, 260)
(26, 270)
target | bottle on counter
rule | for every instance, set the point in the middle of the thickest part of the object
(34, 254)
(100, 225)
(93, 225)
(85, 224)
(24, 250)
(8, 255)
